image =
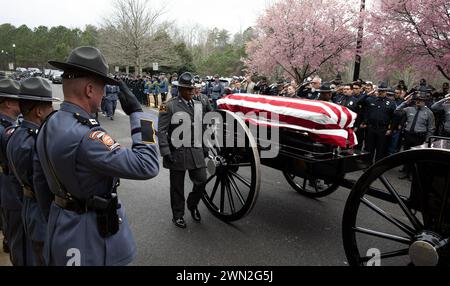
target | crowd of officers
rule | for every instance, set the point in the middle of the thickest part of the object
(386, 121)
(388, 118)
(60, 171)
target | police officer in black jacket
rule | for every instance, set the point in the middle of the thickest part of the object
(379, 116)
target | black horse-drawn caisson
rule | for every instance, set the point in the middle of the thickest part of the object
(386, 221)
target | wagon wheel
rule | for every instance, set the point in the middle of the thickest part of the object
(234, 178)
(392, 222)
(311, 188)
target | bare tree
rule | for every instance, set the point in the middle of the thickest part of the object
(129, 34)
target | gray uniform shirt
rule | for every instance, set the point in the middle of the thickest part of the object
(425, 121)
(442, 105)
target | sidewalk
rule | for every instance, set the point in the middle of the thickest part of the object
(4, 258)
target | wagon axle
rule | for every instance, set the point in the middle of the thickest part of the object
(428, 249)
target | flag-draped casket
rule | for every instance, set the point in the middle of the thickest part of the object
(325, 122)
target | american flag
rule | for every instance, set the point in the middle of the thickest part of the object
(325, 122)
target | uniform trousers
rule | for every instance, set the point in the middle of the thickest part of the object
(16, 237)
(377, 142)
(156, 98)
(412, 140)
(110, 107)
(177, 198)
(163, 97)
(361, 135)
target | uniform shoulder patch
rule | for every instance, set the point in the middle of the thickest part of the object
(105, 139)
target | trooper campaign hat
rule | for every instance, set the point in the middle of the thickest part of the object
(37, 89)
(186, 80)
(326, 87)
(9, 88)
(422, 96)
(85, 61)
(383, 87)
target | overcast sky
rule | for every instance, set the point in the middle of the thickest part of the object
(233, 15)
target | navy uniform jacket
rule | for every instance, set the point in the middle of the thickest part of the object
(379, 112)
(185, 158)
(20, 151)
(87, 161)
(355, 104)
(217, 90)
(10, 188)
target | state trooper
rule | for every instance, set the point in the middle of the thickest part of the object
(111, 98)
(174, 88)
(217, 90)
(35, 104)
(81, 165)
(189, 158)
(378, 119)
(444, 105)
(420, 124)
(163, 87)
(203, 98)
(11, 200)
(325, 92)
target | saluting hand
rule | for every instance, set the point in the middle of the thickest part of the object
(128, 100)
(409, 98)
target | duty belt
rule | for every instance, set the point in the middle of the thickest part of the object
(84, 206)
(418, 134)
(378, 124)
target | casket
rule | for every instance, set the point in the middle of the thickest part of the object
(324, 122)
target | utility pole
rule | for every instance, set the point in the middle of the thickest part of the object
(359, 42)
(14, 49)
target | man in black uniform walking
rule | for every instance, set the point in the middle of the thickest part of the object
(188, 157)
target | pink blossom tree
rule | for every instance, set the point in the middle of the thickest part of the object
(302, 37)
(411, 33)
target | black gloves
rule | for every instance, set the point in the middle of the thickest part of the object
(129, 102)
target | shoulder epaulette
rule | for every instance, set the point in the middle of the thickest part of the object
(91, 123)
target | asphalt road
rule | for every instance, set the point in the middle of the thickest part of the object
(284, 229)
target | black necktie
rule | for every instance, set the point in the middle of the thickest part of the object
(414, 123)
(191, 106)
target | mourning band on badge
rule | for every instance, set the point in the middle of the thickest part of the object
(148, 131)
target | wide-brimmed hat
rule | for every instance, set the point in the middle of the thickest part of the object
(326, 87)
(383, 87)
(86, 60)
(422, 96)
(186, 80)
(37, 89)
(9, 88)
